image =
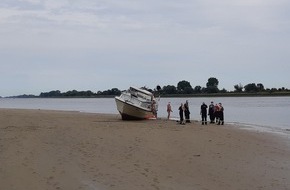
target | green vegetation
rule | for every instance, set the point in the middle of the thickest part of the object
(76, 94)
(183, 89)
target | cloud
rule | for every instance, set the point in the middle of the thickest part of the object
(165, 40)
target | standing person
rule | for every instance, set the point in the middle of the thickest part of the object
(203, 113)
(169, 110)
(216, 113)
(186, 112)
(221, 114)
(181, 110)
(211, 112)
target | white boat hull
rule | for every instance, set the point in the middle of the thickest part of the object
(129, 111)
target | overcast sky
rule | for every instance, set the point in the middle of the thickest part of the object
(102, 44)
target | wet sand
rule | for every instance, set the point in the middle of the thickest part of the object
(46, 150)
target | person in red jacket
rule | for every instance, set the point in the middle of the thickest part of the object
(221, 114)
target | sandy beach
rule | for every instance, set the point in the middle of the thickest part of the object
(46, 150)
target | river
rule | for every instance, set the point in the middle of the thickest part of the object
(262, 113)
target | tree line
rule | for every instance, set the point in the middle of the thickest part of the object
(183, 88)
(75, 93)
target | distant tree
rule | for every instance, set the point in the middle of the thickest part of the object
(238, 87)
(188, 90)
(158, 88)
(89, 93)
(54, 93)
(223, 90)
(212, 82)
(115, 91)
(273, 90)
(71, 93)
(184, 87)
(212, 89)
(24, 96)
(212, 85)
(197, 89)
(169, 89)
(260, 87)
(203, 90)
(251, 88)
(157, 91)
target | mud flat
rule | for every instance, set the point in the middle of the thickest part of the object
(74, 151)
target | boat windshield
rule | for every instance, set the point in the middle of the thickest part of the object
(141, 94)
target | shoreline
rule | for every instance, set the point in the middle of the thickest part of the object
(43, 149)
(234, 113)
(218, 94)
(283, 131)
(279, 132)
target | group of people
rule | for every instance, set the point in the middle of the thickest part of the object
(215, 112)
(184, 113)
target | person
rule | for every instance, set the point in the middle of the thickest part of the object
(216, 113)
(154, 108)
(221, 114)
(203, 113)
(181, 110)
(169, 110)
(186, 112)
(211, 112)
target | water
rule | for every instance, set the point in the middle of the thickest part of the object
(90, 105)
(263, 113)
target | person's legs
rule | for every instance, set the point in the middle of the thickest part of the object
(204, 119)
(181, 118)
(211, 118)
(222, 118)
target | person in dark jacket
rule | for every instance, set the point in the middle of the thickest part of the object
(181, 110)
(203, 113)
(186, 112)
(211, 112)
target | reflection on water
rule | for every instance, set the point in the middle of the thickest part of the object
(268, 112)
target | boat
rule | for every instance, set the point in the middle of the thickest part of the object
(136, 104)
